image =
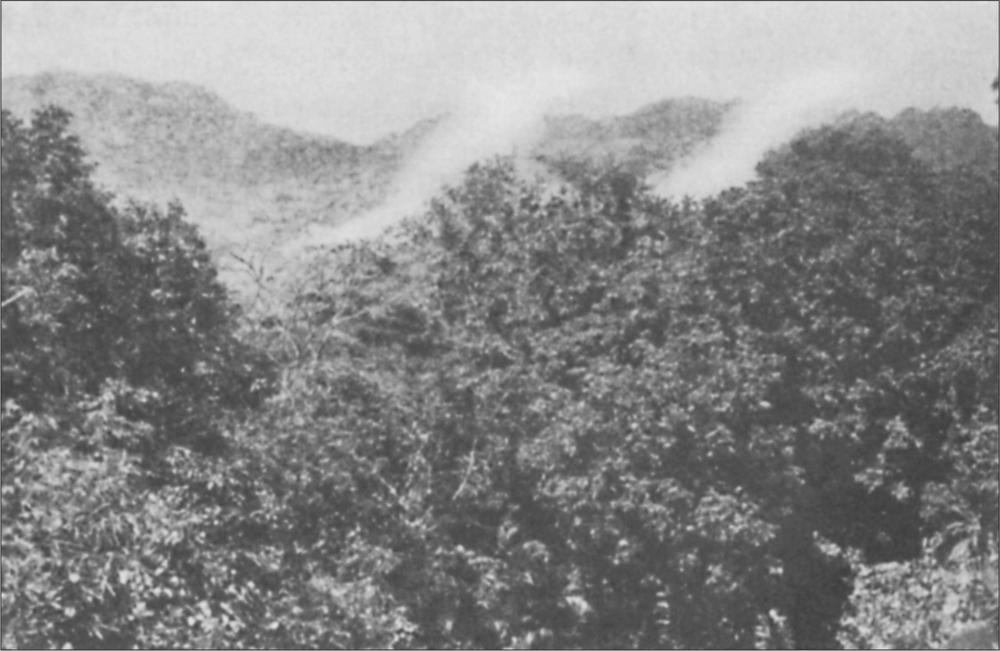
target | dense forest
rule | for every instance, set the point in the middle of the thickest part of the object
(538, 417)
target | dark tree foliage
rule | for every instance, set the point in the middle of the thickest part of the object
(93, 294)
(631, 423)
(861, 272)
(118, 344)
(539, 418)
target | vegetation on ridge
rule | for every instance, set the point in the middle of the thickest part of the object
(541, 419)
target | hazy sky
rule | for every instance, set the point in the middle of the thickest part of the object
(359, 70)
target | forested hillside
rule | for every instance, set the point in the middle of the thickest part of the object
(538, 418)
(252, 187)
(650, 140)
(248, 182)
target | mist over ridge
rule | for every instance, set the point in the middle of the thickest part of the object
(253, 187)
(267, 195)
(500, 326)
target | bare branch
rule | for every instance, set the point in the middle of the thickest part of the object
(21, 294)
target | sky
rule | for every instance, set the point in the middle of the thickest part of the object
(358, 71)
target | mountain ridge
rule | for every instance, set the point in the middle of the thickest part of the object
(249, 184)
(252, 186)
(241, 179)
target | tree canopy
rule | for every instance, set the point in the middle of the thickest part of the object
(540, 418)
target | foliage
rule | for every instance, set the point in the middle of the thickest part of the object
(677, 420)
(93, 293)
(537, 417)
(917, 604)
(118, 345)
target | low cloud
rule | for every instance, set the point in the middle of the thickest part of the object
(493, 119)
(759, 125)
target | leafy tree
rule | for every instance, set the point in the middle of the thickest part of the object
(538, 417)
(676, 421)
(118, 344)
(859, 269)
(93, 294)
